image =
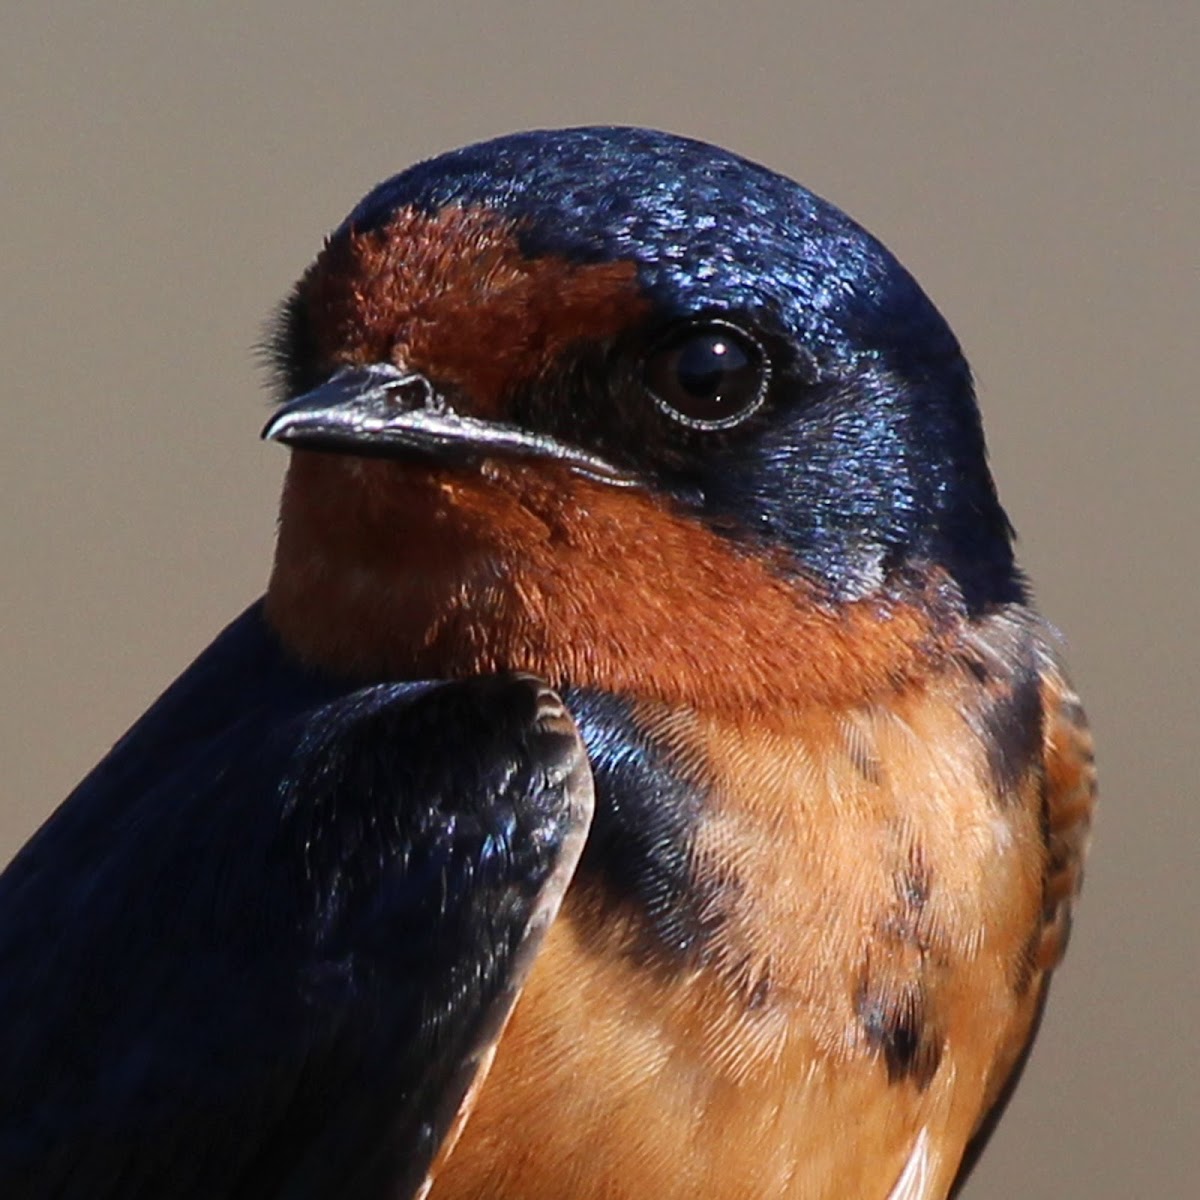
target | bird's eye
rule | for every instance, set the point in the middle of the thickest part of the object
(709, 376)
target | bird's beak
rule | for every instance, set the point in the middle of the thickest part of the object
(384, 412)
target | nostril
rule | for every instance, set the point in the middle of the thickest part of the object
(412, 393)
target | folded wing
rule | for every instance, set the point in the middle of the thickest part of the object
(268, 946)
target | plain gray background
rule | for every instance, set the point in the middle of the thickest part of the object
(168, 170)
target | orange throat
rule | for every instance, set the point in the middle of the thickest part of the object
(403, 571)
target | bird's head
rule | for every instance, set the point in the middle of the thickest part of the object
(609, 404)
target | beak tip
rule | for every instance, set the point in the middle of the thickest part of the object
(275, 429)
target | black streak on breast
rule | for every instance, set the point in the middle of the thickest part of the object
(648, 811)
(895, 1022)
(1010, 724)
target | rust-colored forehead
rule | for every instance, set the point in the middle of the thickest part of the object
(452, 295)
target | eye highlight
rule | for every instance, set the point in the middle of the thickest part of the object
(710, 375)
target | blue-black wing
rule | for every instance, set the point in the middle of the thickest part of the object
(263, 948)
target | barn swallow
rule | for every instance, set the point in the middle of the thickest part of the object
(645, 774)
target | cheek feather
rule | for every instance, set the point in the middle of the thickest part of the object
(535, 569)
(452, 295)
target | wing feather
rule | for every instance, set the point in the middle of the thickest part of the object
(267, 948)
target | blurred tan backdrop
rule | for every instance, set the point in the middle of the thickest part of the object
(168, 170)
